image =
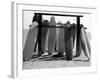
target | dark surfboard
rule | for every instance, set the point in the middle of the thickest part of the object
(68, 41)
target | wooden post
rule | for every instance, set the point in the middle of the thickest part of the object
(78, 47)
(39, 33)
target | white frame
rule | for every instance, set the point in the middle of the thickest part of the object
(17, 41)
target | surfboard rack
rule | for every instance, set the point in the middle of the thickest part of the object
(58, 14)
(58, 27)
(67, 15)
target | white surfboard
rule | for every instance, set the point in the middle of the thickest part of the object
(60, 38)
(44, 34)
(52, 36)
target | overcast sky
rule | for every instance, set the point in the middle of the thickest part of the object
(86, 20)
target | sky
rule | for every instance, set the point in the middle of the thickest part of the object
(28, 16)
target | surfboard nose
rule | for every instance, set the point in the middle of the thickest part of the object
(52, 21)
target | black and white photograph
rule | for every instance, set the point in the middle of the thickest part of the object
(56, 39)
(52, 39)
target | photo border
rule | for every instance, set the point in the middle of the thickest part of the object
(16, 66)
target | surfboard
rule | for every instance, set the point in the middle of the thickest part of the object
(30, 41)
(60, 38)
(78, 45)
(74, 32)
(52, 36)
(44, 32)
(68, 41)
(85, 43)
(74, 35)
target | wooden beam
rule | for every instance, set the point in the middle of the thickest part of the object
(60, 14)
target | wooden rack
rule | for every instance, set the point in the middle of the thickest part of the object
(40, 24)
